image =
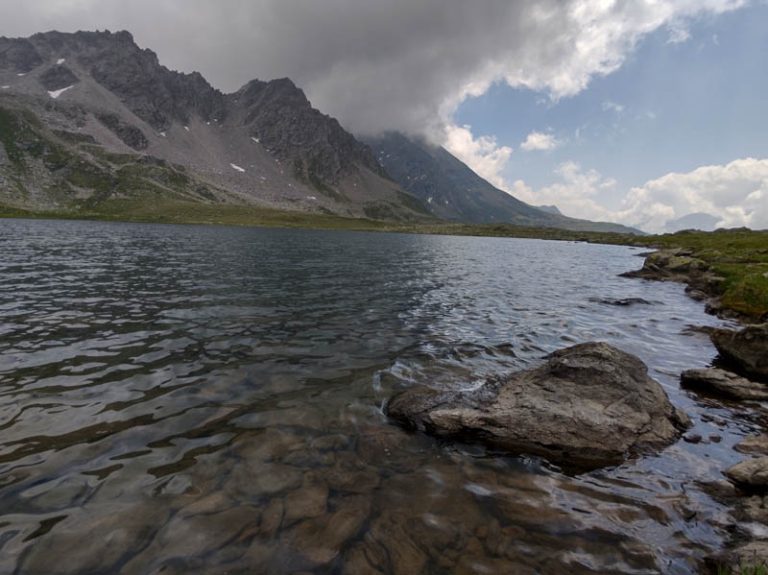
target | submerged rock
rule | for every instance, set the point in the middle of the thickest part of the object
(319, 541)
(725, 383)
(588, 406)
(745, 350)
(623, 302)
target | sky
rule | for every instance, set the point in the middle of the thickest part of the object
(635, 111)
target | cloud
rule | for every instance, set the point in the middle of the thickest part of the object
(735, 193)
(482, 154)
(539, 141)
(577, 194)
(380, 65)
(609, 106)
(678, 34)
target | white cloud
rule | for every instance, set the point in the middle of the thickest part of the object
(609, 106)
(576, 194)
(735, 193)
(482, 154)
(540, 141)
(678, 34)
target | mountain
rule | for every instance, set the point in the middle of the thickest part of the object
(452, 191)
(550, 209)
(91, 122)
(696, 221)
(89, 119)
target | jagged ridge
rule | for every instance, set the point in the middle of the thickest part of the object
(265, 143)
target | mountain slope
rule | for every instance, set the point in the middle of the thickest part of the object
(96, 95)
(452, 191)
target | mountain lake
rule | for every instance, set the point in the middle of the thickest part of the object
(201, 399)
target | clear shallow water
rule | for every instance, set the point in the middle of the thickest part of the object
(184, 399)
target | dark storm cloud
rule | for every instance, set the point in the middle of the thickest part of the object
(399, 64)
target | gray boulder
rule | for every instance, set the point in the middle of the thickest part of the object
(588, 406)
(725, 383)
(746, 350)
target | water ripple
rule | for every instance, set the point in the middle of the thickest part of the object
(167, 384)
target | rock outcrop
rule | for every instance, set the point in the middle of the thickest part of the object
(724, 383)
(587, 406)
(680, 265)
(128, 134)
(57, 78)
(263, 145)
(746, 351)
(317, 148)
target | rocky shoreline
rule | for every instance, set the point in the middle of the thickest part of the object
(592, 405)
(742, 375)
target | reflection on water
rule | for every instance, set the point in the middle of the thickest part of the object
(197, 399)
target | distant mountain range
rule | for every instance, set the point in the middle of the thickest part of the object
(452, 191)
(89, 119)
(695, 221)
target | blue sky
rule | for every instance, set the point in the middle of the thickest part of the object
(671, 107)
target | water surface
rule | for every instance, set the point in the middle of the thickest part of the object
(185, 399)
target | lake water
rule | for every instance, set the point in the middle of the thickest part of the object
(185, 399)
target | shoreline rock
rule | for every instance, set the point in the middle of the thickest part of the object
(724, 383)
(745, 350)
(587, 406)
(750, 475)
(679, 265)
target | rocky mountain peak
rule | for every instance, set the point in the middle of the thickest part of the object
(281, 117)
(156, 94)
(264, 143)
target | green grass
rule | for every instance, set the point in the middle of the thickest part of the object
(740, 256)
(749, 569)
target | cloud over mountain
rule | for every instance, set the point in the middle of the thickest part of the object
(397, 64)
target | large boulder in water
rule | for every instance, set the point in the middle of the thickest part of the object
(588, 406)
(745, 350)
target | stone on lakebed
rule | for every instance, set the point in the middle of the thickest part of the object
(587, 406)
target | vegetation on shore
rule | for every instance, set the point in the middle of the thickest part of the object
(740, 256)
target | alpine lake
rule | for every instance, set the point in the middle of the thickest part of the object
(203, 399)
